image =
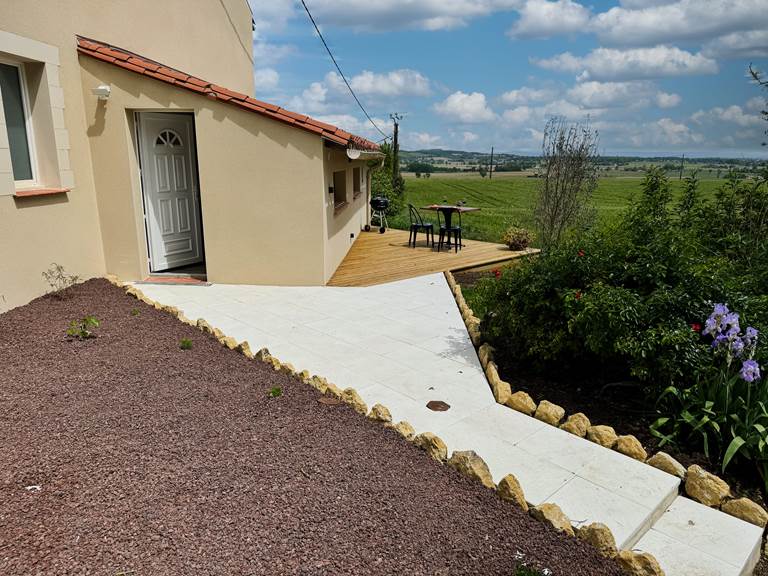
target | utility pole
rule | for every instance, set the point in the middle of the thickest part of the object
(490, 167)
(395, 117)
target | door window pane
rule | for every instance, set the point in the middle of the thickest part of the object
(15, 121)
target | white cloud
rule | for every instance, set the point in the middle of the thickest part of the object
(756, 104)
(384, 15)
(641, 24)
(466, 108)
(356, 125)
(519, 115)
(544, 18)
(635, 63)
(332, 96)
(266, 79)
(269, 17)
(667, 100)
(663, 134)
(731, 114)
(753, 43)
(468, 137)
(312, 100)
(526, 95)
(422, 139)
(403, 82)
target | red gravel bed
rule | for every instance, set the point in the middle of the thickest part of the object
(153, 460)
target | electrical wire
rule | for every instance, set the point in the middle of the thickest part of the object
(342, 73)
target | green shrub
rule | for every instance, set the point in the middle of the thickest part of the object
(185, 344)
(83, 329)
(622, 296)
(517, 238)
(275, 392)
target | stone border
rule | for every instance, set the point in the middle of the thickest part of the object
(466, 462)
(695, 482)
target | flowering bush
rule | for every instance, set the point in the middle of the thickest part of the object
(517, 238)
(726, 408)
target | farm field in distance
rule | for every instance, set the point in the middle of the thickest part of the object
(508, 198)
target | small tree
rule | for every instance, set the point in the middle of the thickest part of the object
(568, 179)
(758, 77)
(483, 170)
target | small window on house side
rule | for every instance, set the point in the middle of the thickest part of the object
(16, 114)
(356, 181)
(340, 188)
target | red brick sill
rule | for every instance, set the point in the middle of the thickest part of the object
(32, 192)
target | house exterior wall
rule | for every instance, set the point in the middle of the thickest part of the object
(260, 184)
(65, 228)
(342, 226)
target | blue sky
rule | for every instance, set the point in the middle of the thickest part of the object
(653, 76)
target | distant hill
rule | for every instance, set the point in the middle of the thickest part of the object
(439, 160)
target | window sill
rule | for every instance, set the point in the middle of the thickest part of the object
(339, 207)
(33, 192)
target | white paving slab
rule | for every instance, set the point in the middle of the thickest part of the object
(697, 540)
(403, 344)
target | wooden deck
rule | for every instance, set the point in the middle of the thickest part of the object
(379, 258)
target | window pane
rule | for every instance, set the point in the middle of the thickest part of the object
(15, 121)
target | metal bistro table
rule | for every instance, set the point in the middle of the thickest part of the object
(447, 211)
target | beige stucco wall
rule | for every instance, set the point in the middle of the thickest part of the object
(208, 39)
(341, 227)
(261, 184)
(211, 39)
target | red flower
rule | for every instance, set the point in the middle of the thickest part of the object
(696, 327)
(581, 253)
(496, 272)
(577, 295)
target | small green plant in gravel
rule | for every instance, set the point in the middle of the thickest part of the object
(135, 312)
(83, 329)
(275, 392)
(185, 344)
(58, 278)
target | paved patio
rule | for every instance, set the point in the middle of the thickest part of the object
(403, 344)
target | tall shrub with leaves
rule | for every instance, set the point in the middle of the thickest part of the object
(382, 183)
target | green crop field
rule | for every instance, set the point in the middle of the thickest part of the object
(508, 200)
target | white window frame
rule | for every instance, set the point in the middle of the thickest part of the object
(19, 65)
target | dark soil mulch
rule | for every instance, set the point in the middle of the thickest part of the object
(155, 460)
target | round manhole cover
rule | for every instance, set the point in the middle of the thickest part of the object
(438, 405)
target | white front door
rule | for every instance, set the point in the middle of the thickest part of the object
(171, 199)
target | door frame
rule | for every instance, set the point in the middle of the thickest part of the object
(137, 114)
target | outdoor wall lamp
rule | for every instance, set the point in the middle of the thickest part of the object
(102, 91)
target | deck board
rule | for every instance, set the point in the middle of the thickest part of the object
(379, 258)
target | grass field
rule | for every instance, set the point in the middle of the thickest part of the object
(508, 200)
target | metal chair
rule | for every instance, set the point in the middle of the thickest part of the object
(418, 224)
(447, 231)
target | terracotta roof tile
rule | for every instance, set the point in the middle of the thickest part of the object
(140, 65)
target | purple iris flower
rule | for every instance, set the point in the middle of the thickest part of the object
(719, 339)
(750, 371)
(750, 337)
(732, 319)
(737, 347)
(720, 310)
